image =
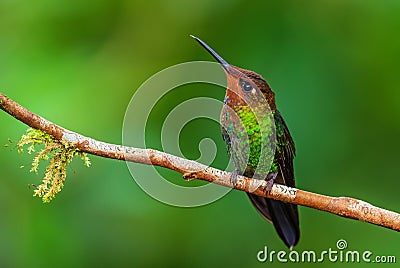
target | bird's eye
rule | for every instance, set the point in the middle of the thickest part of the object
(245, 85)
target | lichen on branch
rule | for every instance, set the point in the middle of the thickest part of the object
(59, 153)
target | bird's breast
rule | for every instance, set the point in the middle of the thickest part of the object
(248, 138)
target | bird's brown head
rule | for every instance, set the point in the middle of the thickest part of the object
(242, 83)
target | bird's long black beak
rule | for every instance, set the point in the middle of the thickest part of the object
(223, 62)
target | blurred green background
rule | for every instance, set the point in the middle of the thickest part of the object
(334, 66)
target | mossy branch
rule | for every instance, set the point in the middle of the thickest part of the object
(60, 154)
(342, 206)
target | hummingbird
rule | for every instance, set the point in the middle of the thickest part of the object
(251, 101)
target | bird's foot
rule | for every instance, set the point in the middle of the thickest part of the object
(270, 181)
(233, 177)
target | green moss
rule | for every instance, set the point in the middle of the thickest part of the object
(59, 154)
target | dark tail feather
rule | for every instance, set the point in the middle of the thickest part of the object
(283, 215)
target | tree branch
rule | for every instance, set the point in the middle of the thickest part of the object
(342, 206)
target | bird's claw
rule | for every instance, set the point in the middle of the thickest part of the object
(270, 181)
(233, 177)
